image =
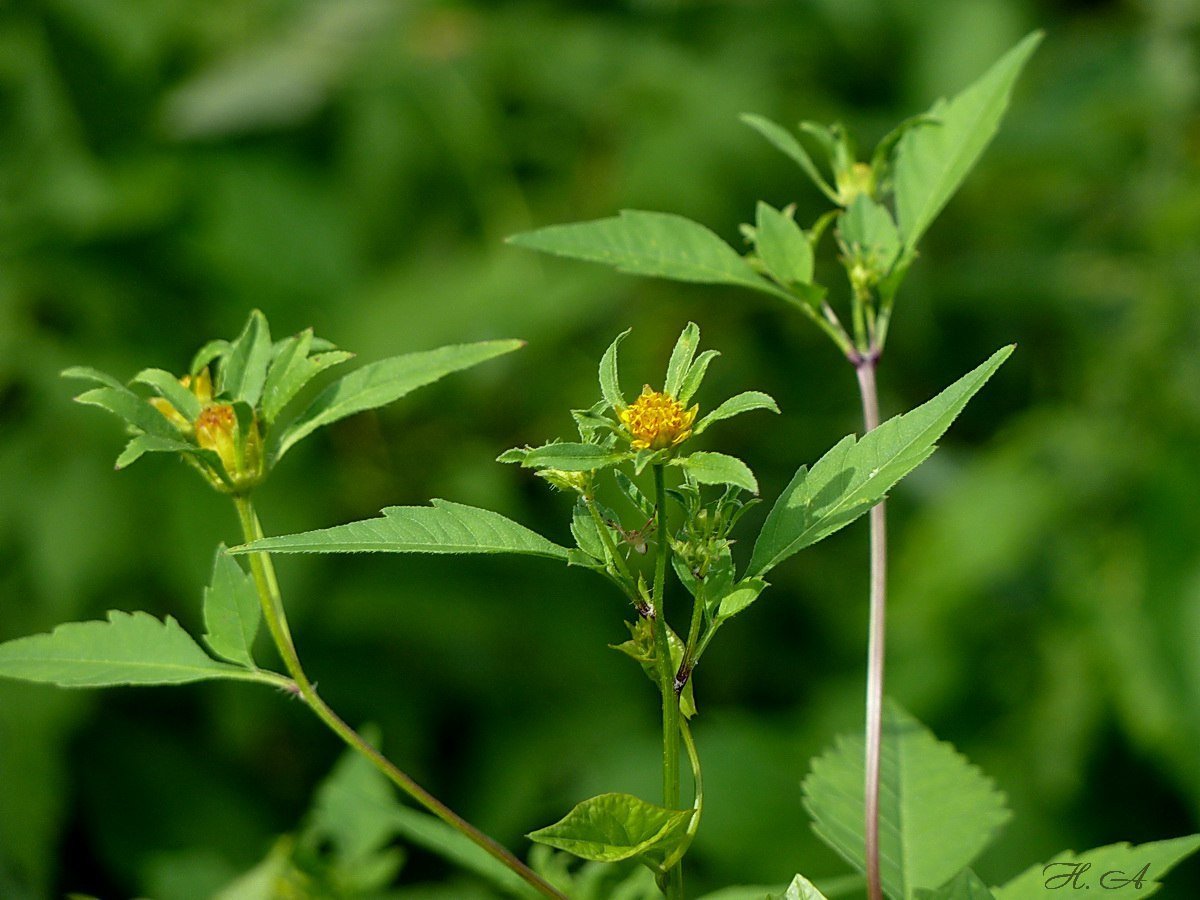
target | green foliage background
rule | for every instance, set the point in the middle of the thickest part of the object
(354, 165)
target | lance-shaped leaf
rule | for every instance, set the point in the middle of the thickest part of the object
(746, 401)
(717, 468)
(681, 358)
(444, 527)
(383, 382)
(856, 474)
(783, 141)
(610, 380)
(649, 243)
(869, 235)
(292, 368)
(932, 161)
(613, 827)
(782, 246)
(170, 388)
(122, 402)
(966, 885)
(695, 375)
(243, 369)
(1120, 871)
(129, 648)
(936, 810)
(571, 457)
(231, 611)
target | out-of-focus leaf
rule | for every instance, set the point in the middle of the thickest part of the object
(292, 368)
(243, 369)
(231, 611)
(612, 827)
(783, 141)
(782, 246)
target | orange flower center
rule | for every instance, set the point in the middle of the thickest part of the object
(657, 420)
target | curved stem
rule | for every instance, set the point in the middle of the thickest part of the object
(875, 644)
(666, 675)
(263, 571)
(689, 745)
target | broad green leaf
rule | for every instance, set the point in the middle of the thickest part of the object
(587, 535)
(649, 243)
(800, 889)
(243, 368)
(932, 161)
(383, 382)
(231, 611)
(854, 476)
(747, 401)
(152, 443)
(169, 387)
(1119, 871)
(681, 358)
(695, 375)
(936, 810)
(964, 886)
(717, 468)
(444, 527)
(870, 235)
(782, 246)
(129, 648)
(613, 827)
(610, 380)
(135, 410)
(571, 457)
(292, 368)
(789, 146)
(745, 593)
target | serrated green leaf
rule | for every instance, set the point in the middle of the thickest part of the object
(135, 410)
(1108, 867)
(610, 380)
(444, 527)
(800, 889)
(128, 648)
(231, 611)
(853, 476)
(292, 368)
(747, 401)
(695, 375)
(870, 235)
(383, 382)
(936, 810)
(658, 244)
(613, 827)
(717, 468)
(783, 247)
(572, 457)
(585, 532)
(932, 161)
(169, 387)
(964, 886)
(243, 369)
(783, 141)
(681, 358)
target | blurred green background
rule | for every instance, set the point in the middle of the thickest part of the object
(354, 165)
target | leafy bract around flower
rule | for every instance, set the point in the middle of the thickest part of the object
(231, 427)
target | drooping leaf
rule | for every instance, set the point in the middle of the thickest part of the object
(932, 161)
(717, 468)
(383, 382)
(747, 401)
(135, 410)
(572, 457)
(853, 476)
(1119, 871)
(169, 387)
(649, 243)
(128, 648)
(783, 141)
(243, 369)
(610, 381)
(782, 246)
(681, 358)
(964, 886)
(612, 827)
(231, 611)
(800, 889)
(444, 527)
(292, 368)
(936, 810)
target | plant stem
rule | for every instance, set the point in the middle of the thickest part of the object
(263, 571)
(666, 675)
(865, 369)
(689, 745)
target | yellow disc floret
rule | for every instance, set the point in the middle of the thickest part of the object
(656, 420)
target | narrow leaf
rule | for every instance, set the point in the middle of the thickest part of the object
(129, 648)
(86, 373)
(292, 368)
(783, 247)
(444, 527)
(681, 358)
(695, 375)
(243, 368)
(133, 409)
(932, 161)
(649, 243)
(1119, 871)
(735, 406)
(572, 457)
(383, 382)
(853, 476)
(717, 468)
(610, 380)
(613, 827)
(936, 810)
(205, 355)
(745, 593)
(231, 611)
(789, 146)
(168, 387)
(152, 443)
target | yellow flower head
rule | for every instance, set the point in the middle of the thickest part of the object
(657, 420)
(216, 430)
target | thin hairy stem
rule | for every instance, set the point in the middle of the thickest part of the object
(263, 571)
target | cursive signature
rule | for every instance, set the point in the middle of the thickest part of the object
(1074, 875)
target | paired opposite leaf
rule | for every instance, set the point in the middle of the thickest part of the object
(613, 827)
(933, 160)
(231, 611)
(856, 474)
(936, 810)
(444, 527)
(129, 648)
(381, 383)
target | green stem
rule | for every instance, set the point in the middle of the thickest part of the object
(689, 650)
(689, 745)
(630, 584)
(263, 571)
(666, 675)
